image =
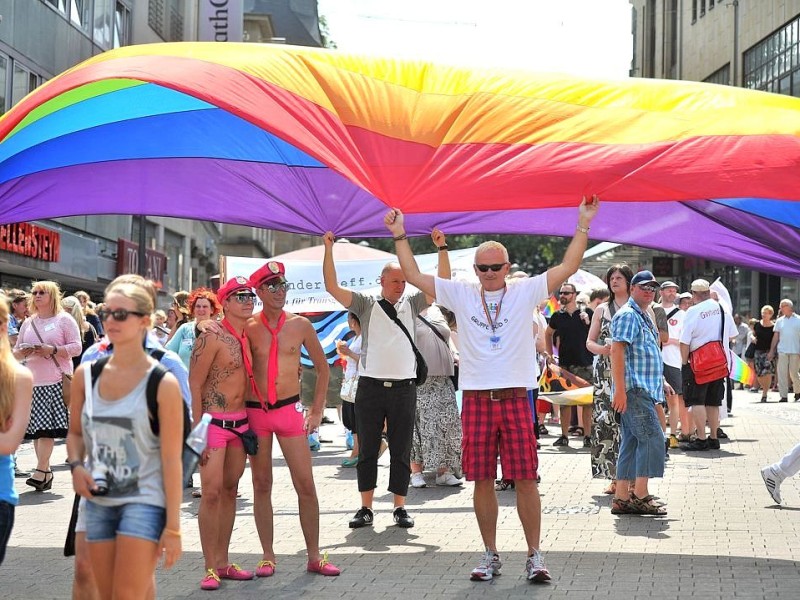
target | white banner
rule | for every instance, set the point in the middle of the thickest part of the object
(220, 21)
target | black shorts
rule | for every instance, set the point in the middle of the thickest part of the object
(707, 394)
(349, 416)
(673, 377)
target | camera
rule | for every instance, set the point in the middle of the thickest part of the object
(99, 474)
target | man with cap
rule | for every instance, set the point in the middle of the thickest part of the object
(671, 351)
(219, 383)
(684, 301)
(637, 385)
(701, 325)
(275, 337)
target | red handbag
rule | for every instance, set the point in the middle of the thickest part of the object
(710, 361)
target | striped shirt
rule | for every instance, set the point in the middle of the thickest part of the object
(644, 366)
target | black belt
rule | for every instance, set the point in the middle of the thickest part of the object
(389, 383)
(229, 424)
(279, 404)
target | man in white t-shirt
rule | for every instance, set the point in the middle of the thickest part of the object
(497, 356)
(701, 324)
(786, 342)
(671, 352)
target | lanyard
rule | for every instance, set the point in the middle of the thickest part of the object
(248, 366)
(492, 322)
(272, 364)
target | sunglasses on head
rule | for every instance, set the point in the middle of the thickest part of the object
(119, 314)
(39, 292)
(275, 287)
(244, 298)
(495, 268)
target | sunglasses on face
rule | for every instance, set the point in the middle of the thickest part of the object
(244, 298)
(39, 292)
(119, 314)
(495, 268)
(275, 287)
(648, 288)
(565, 293)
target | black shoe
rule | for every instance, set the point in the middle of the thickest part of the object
(561, 441)
(721, 434)
(587, 442)
(327, 420)
(543, 429)
(363, 518)
(783, 400)
(797, 397)
(695, 446)
(401, 518)
(713, 444)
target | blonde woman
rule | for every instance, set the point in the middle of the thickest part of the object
(47, 341)
(132, 481)
(89, 335)
(763, 331)
(16, 389)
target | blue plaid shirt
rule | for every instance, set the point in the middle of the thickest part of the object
(644, 366)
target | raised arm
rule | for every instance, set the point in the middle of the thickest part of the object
(343, 296)
(395, 224)
(574, 254)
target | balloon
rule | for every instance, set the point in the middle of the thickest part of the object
(306, 140)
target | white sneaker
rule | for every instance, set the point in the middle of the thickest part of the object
(448, 479)
(536, 569)
(418, 480)
(489, 567)
(773, 482)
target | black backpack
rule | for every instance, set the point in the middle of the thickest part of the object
(153, 381)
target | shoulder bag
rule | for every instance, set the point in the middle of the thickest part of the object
(66, 379)
(454, 376)
(710, 361)
(422, 366)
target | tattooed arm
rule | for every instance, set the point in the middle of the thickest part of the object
(203, 353)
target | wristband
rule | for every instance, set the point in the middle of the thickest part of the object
(400, 237)
(442, 247)
(582, 229)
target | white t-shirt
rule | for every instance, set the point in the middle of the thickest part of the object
(701, 325)
(511, 362)
(352, 363)
(672, 352)
(789, 328)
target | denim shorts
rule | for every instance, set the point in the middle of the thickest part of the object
(105, 523)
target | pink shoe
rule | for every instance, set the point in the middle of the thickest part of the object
(323, 567)
(234, 571)
(265, 568)
(210, 581)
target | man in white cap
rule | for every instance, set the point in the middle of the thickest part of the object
(671, 351)
(701, 325)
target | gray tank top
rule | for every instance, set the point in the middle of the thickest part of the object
(127, 451)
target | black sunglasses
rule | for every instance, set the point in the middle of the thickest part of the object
(495, 268)
(119, 314)
(39, 292)
(565, 293)
(274, 287)
(244, 298)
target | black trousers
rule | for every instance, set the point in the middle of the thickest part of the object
(375, 404)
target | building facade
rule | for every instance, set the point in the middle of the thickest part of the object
(745, 43)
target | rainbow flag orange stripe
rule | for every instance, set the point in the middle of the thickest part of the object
(551, 307)
(742, 372)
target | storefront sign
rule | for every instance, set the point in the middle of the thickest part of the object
(128, 261)
(220, 21)
(30, 240)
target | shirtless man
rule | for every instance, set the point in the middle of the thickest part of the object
(275, 338)
(219, 384)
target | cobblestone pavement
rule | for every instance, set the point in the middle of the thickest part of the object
(723, 536)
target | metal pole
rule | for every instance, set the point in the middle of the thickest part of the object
(142, 246)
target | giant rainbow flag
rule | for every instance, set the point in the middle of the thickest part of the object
(309, 140)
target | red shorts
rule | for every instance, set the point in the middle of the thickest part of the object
(286, 421)
(219, 437)
(498, 426)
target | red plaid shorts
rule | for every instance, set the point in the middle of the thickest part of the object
(492, 427)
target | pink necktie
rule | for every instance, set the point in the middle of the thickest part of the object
(272, 365)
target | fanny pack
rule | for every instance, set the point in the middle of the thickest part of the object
(249, 439)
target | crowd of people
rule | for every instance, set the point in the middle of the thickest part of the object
(118, 380)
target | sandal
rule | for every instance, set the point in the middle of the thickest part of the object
(650, 499)
(502, 485)
(622, 507)
(611, 489)
(646, 506)
(41, 485)
(577, 432)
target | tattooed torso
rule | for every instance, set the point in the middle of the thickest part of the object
(225, 385)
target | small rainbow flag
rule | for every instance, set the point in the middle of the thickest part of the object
(742, 372)
(551, 307)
